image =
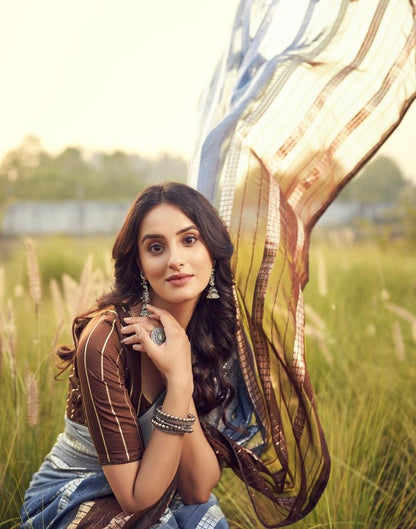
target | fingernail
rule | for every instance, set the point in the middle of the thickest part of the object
(136, 347)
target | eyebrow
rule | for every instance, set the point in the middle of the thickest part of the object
(158, 236)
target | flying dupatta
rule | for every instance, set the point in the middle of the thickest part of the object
(305, 94)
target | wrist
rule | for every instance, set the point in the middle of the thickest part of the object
(181, 385)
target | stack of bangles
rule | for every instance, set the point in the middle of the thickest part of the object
(172, 424)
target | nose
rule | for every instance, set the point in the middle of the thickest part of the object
(176, 259)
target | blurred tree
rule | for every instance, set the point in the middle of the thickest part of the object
(380, 181)
(30, 173)
(18, 165)
(407, 204)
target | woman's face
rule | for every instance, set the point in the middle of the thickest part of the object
(173, 257)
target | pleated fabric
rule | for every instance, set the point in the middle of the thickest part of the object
(305, 94)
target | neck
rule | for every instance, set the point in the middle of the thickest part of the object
(182, 312)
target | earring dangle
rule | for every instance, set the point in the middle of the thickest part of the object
(145, 296)
(212, 291)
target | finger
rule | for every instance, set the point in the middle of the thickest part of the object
(168, 322)
(127, 329)
(134, 332)
(147, 343)
(131, 329)
(133, 338)
(137, 319)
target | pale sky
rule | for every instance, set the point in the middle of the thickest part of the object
(101, 74)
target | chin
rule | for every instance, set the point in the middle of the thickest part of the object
(181, 298)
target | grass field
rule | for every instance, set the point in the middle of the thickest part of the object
(361, 348)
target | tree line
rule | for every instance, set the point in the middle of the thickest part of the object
(30, 173)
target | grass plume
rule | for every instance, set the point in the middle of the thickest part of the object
(35, 288)
(32, 398)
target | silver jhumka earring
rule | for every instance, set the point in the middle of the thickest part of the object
(212, 291)
(145, 296)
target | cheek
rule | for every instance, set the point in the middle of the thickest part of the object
(151, 266)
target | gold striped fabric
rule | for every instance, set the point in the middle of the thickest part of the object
(304, 95)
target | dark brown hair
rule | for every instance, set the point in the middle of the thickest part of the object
(212, 328)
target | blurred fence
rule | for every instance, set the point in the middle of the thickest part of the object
(73, 218)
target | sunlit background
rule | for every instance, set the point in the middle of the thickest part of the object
(103, 75)
(107, 87)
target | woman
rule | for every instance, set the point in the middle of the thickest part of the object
(292, 113)
(137, 364)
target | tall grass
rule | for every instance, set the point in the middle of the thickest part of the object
(364, 378)
(361, 347)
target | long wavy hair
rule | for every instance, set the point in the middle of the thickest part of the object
(213, 326)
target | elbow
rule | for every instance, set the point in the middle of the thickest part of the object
(131, 507)
(195, 496)
(193, 492)
(138, 505)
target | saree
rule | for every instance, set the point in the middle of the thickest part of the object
(70, 491)
(303, 96)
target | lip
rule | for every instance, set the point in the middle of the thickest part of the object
(179, 279)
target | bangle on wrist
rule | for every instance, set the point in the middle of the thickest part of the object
(171, 423)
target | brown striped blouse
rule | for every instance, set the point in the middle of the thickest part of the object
(104, 390)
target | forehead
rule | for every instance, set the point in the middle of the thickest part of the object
(163, 219)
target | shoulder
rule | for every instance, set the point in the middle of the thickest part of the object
(100, 337)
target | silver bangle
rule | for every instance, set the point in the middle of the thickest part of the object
(171, 428)
(189, 419)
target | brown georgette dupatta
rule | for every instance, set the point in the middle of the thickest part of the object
(300, 101)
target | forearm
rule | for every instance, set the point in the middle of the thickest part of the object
(138, 486)
(198, 470)
(162, 455)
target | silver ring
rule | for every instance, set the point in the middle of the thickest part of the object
(158, 335)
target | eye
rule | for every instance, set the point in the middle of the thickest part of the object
(155, 248)
(189, 239)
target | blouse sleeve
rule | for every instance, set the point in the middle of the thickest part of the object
(111, 417)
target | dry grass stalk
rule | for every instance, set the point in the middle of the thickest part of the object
(11, 336)
(322, 275)
(2, 283)
(108, 268)
(402, 312)
(32, 393)
(313, 332)
(2, 336)
(398, 341)
(71, 294)
(1, 355)
(58, 302)
(57, 335)
(86, 286)
(34, 276)
(326, 352)
(80, 296)
(320, 337)
(312, 315)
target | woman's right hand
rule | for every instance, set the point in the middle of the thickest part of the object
(173, 357)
